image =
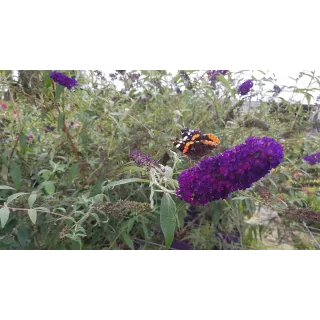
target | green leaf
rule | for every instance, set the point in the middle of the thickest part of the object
(308, 97)
(127, 239)
(240, 198)
(224, 81)
(93, 214)
(281, 205)
(22, 141)
(76, 245)
(4, 172)
(48, 80)
(15, 173)
(8, 243)
(73, 172)
(15, 196)
(130, 224)
(23, 235)
(60, 121)
(273, 182)
(49, 187)
(216, 212)
(168, 172)
(4, 216)
(180, 214)
(145, 231)
(168, 218)
(59, 90)
(6, 187)
(32, 215)
(32, 198)
(124, 181)
(46, 174)
(283, 177)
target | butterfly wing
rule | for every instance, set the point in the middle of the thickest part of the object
(210, 139)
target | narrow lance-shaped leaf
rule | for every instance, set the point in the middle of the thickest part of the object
(48, 80)
(59, 90)
(224, 81)
(6, 187)
(32, 215)
(127, 239)
(15, 196)
(4, 216)
(168, 218)
(15, 173)
(31, 200)
(124, 181)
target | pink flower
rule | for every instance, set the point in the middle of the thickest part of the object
(307, 190)
(3, 105)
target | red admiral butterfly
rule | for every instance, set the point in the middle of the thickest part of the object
(195, 144)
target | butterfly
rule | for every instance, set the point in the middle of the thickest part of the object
(195, 144)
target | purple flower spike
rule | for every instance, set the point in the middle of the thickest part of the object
(29, 137)
(245, 87)
(142, 159)
(180, 245)
(276, 89)
(63, 80)
(213, 74)
(312, 159)
(235, 169)
(49, 129)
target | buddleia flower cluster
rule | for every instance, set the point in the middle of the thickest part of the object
(186, 79)
(312, 159)
(142, 159)
(255, 122)
(180, 245)
(245, 87)
(63, 80)
(30, 137)
(122, 208)
(235, 169)
(265, 194)
(213, 74)
(302, 214)
(276, 90)
(49, 128)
